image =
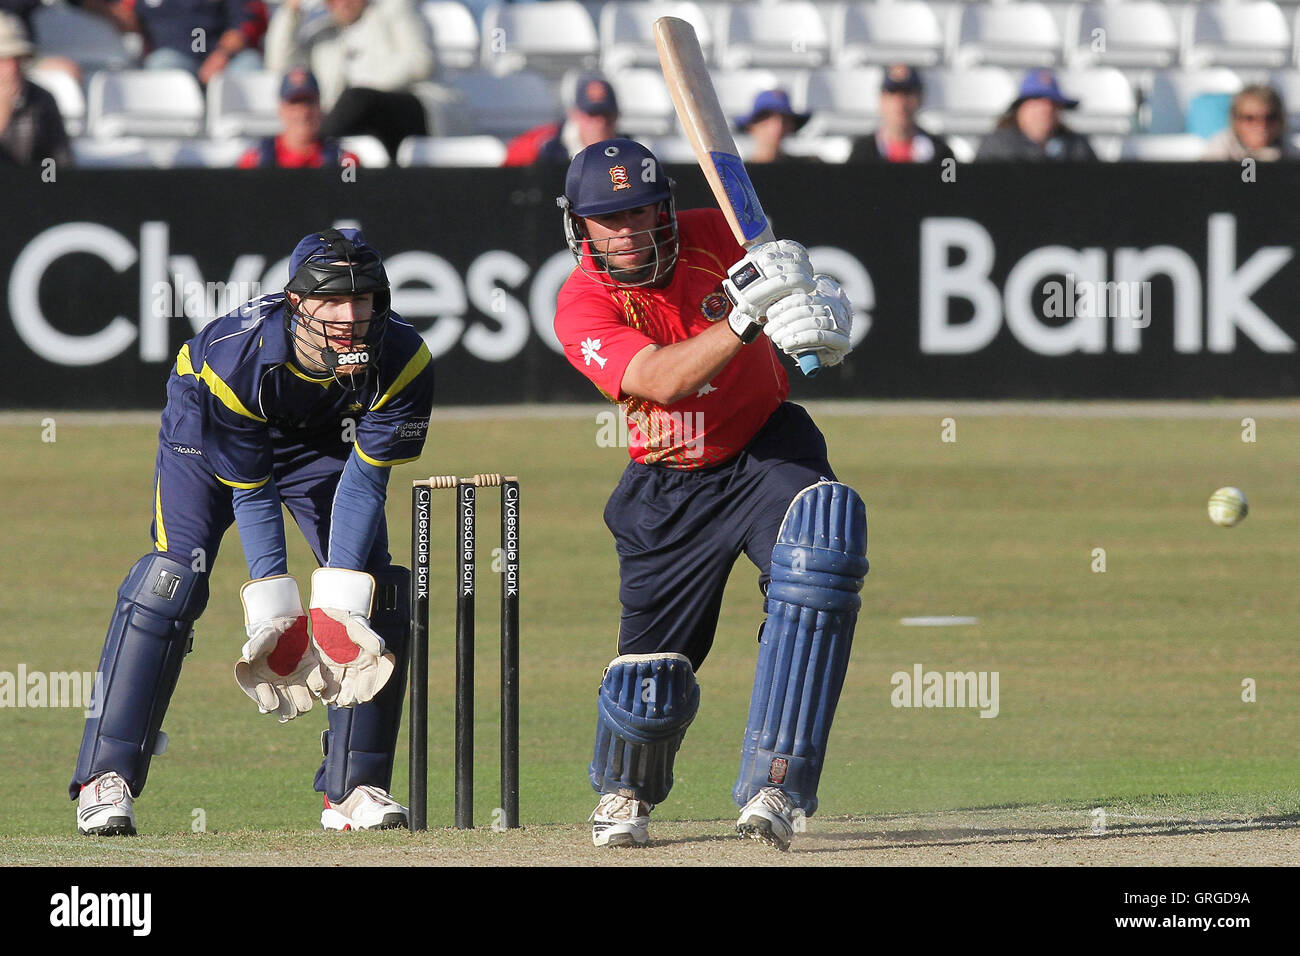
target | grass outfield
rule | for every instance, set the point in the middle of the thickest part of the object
(1119, 689)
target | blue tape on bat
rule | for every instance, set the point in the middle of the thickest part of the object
(749, 213)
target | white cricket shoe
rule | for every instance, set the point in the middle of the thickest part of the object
(768, 818)
(620, 820)
(104, 807)
(366, 808)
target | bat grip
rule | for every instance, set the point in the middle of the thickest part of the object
(809, 364)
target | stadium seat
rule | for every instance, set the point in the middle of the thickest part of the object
(1129, 35)
(627, 37)
(371, 153)
(1173, 93)
(67, 94)
(787, 35)
(964, 148)
(210, 153)
(455, 34)
(829, 149)
(1248, 33)
(1106, 100)
(1174, 147)
(904, 31)
(677, 149)
(1010, 34)
(451, 151)
(144, 103)
(244, 104)
(842, 101)
(966, 101)
(645, 106)
(551, 38)
(127, 153)
(736, 89)
(93, 42)
(502, 106)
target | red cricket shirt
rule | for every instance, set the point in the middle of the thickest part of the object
(602, 327)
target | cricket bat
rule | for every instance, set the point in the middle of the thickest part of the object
(710, 136)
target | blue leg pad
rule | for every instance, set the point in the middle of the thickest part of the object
(148, 638)
(818, 565)
(645, 704)
(360, 742)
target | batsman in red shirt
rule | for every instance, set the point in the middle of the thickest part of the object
(669, 317)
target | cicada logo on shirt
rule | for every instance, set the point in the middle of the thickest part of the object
(413, 429)
(591, 353)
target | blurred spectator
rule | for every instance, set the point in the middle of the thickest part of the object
(1031, 128)
(299, 145)
(31, 129)
(1256, 130)
(593, 117)
(23, 10)
(366, 54)
(203, 38)
(899, 139)
(768, 124)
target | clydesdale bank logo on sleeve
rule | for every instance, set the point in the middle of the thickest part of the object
(413, 429)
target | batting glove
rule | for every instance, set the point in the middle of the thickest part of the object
(278, 669)
(353, 658)
(768, 272)
(819, 321)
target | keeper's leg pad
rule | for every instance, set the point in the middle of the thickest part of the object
(147, 639)
(818, 564)
(645, 704)
(360, 742)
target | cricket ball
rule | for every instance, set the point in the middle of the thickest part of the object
(1227, 507)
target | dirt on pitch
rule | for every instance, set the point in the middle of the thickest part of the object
(996, 837)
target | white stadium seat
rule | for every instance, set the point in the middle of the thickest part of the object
(144, 103)
(370, 152)
(627, 37)
(502, 105)
(644, 103)
(1248, 33)
(127, 153)
(843, 101)
(551, 37)
(1106, 100)
(455, 34)
(789, 34)
(966, 101)
(1128, 35)
(1174, 147)
(244, 104)
(1173, 91)
(211, 153)
(61, 30)
(451, 151)
(737, 89)
(1010, 34)
(904, 31)
(675, 149)
(829, 149)
(67, 94)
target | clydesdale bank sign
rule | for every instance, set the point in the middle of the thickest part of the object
(1098, 281)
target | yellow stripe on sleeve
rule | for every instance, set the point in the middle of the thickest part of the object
(225, 394)
(160, 539)
(245, 485)
(382, 464)
(413, 368)
(183, 364)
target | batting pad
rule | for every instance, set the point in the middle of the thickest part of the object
(818, 564)
(645, 704)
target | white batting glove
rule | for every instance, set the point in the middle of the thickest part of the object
(819, 321)
(278, 669)
(768, 272)
(353, 658)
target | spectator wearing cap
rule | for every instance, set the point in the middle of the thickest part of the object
(300, 144)
(1031, 128)
(592, 118)
(367, 55)
(201, 38)
(771, 120)
(1256, 129)
(899, 139)
(31, 128)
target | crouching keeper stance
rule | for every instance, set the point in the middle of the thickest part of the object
(672, 319)
(305, 399)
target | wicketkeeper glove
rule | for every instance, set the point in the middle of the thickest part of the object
(278, 669)
(820, 321)
(768, 272)
(353, 658)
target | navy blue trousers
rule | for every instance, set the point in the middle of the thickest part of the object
(678, 533)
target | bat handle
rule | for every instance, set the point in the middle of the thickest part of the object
(809, 364)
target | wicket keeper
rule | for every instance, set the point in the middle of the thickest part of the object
(305, 398)
(668, 316)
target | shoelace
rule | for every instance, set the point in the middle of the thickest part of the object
(110, 788)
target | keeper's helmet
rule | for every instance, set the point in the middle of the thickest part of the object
(333, 263)
(609, 177)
